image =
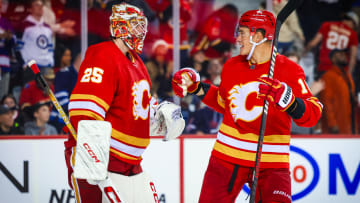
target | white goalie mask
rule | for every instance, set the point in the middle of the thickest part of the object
(128, 23)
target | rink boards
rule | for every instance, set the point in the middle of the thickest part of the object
(323, 168)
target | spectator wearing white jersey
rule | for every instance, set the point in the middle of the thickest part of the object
(36, 38)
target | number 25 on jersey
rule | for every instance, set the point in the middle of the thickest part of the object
(92, 75)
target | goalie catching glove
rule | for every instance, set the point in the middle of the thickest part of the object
(186, 80)
(276, 92)
(167, 121)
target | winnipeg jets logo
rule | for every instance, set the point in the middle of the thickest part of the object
(238, 98)
(139, 91)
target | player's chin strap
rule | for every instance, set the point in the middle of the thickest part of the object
(254, 44)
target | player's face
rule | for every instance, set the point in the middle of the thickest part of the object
(138, 27)
(243, 40)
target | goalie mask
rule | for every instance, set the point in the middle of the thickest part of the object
(254, 20)
(128, 23)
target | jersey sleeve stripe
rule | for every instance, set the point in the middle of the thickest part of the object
(249, 156)
(220, 101)
(252, 137)
(131, 140)
(88, 97)
(88, 113)
(87, 105)
(316, 102)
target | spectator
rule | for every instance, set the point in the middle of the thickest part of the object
(316, 86)
(290, 29)
(7, 126)
(63, 28)
(32, 92)
(7, 43)
(36, 40)
(336, 35)
(164, 11)
(65, 80)
(215, 38)
(158, 64)
(339, 92)
(10, 101)
(205, 120)
(39, 125)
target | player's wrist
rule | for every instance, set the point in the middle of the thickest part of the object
(297, 109)
(204, 88)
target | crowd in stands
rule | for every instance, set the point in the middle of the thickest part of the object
(321, 36)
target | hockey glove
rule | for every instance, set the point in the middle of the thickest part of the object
(186, 80)
(276, 92)
(168, 121)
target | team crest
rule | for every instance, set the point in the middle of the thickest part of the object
(239, 97)
(139, 90)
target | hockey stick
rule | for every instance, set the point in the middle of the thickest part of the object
(105, 184)
(284, 13)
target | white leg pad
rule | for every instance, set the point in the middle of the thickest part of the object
(92, 150)
(134, 189)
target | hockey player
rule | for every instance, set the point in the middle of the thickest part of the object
(240, 97)
(113, 85)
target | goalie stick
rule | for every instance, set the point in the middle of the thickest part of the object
(106, 186)
(284, 13)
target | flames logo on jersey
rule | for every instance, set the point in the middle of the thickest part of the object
(139, 90)
(238, 98)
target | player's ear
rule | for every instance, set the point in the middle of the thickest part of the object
(258, 36)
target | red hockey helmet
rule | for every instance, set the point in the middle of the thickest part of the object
(256, 19)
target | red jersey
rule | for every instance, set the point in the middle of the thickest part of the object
(336, 35)
(114, 88)
(236, 98)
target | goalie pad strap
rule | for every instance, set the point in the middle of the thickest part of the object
(297, 109)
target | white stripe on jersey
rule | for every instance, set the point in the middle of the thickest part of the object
(252, 146)
(87, 105)
(134, 151)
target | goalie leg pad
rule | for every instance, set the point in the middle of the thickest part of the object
(92, 150)
(136, 188)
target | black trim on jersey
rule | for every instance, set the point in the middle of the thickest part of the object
(205, 88)
(297, 109)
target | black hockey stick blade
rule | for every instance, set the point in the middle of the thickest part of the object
(284, 13)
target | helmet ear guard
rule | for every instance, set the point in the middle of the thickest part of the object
(128, 23)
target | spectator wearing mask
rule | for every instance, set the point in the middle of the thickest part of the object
(338, 97)
(39, 125)
(7, 126)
